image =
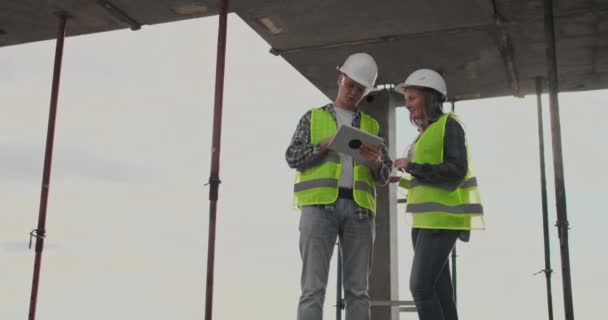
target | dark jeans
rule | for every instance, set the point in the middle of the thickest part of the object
(430, 281)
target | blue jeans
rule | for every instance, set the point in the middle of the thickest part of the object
(319, 229)
(430, 281)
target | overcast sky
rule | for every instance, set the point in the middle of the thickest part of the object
(128, 209)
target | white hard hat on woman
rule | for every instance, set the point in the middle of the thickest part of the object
(425, 78)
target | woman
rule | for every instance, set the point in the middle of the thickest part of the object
(443, 198)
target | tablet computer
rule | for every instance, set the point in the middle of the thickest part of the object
(348, 140)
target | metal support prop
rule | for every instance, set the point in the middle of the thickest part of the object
(454, 280)
(40, 232)
(543, 187)
(339, 300)
(214, 179)
(558, 164)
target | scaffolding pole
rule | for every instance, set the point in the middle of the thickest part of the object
(558, 164)
(339, 299)
(454, 255)
(543, 186)
(40, 232)
(214, 179)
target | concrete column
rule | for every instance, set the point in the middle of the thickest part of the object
(384, 284)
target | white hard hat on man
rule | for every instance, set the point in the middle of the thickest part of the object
(361, 68)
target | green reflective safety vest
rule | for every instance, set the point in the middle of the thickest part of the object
(319, 184)
(455, 206)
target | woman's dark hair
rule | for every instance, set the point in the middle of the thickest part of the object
(433, 107)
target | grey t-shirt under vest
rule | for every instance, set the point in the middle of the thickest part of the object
(345, 118)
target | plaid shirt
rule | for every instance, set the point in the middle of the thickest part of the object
(301, 154)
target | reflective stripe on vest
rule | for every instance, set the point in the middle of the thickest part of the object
(434, 206)
(319, 184)
(332, 183)
(471, 182)
(447, 205)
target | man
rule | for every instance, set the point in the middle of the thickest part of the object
(336, 194)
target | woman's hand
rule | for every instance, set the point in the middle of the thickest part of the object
(402, 163)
